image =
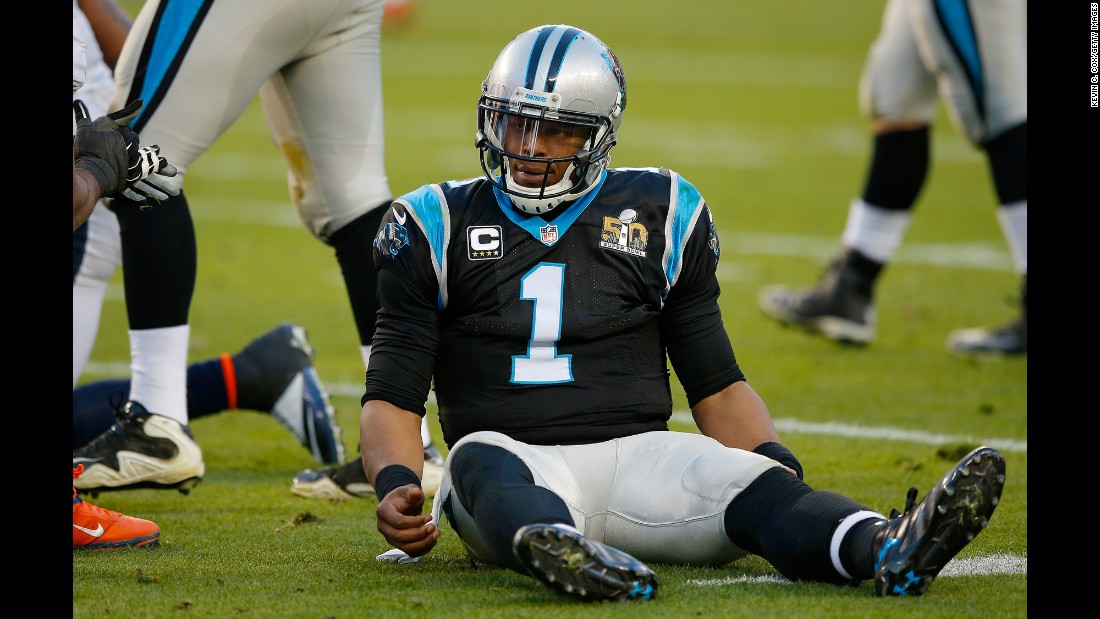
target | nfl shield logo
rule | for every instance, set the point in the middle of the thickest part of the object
(549, 234)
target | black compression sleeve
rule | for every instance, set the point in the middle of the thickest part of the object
(698, 345)
(393, 476)
(780, 454)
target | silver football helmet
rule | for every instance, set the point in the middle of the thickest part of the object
(553, 78)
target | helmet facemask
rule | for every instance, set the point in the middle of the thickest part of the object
(524, 146)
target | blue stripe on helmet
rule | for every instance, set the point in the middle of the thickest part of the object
(564, 42)
(536, 53)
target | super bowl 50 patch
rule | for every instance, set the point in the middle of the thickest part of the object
(625, 234)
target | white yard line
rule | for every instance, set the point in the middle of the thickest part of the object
(973, 566)
(886, 433)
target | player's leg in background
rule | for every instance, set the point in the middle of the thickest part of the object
(898, 93)
(96, 255)
(325, 113)
(215, 73)
(274, 373)
(979, 53)
(341, 189)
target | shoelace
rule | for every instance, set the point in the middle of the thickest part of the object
(113, 431)
(77, 470)
(910, 501)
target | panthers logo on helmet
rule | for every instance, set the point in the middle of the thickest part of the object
(617, 69)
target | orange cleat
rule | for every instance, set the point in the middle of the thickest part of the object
(95, 528)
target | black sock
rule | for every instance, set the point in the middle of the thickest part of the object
(207, 392)
(1008, 163)
(781, 519)
(500, 493)
(159, 258)
(857, 549)
(864, 271)
(354, 251)
(899, 166)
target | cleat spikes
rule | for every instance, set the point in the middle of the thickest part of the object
(913, 547)
(569, 563)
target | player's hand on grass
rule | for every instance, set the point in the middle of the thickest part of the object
(402, 523)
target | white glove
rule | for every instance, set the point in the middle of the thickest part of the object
(147, 178)
(396, 556)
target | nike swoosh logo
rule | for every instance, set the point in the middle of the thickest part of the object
(77, 461)
(400, 217)
(96, 532)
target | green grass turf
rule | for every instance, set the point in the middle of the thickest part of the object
(754, 103)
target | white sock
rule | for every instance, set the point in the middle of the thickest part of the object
(1013, 218)
(158, 365)
(875, 232)
(838, 538)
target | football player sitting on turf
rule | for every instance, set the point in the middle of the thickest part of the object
(545, 300)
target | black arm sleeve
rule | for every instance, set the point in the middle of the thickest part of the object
(406, 335)
(691, 321)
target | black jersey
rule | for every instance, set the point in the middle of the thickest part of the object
(552, 330)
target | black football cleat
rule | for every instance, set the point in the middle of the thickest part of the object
(914, 546)
(834, 308)
(141, 450)
(570, 563)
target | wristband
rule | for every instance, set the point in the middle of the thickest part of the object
(393, 476)
(104, 175)
(780, 454)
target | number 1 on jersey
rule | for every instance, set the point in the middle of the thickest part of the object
(545, 285)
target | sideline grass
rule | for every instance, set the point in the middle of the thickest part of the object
(755, 103)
